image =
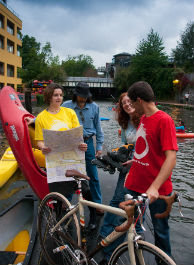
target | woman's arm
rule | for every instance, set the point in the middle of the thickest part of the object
(30, 120)
(45, 150)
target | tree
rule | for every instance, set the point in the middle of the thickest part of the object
(183, 54)
(53, 71)
(78, 65)
(30, 59)
(121, 80)
(150, 63)
(39, 63)
(149, 57)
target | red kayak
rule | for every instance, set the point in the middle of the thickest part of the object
(185, 135)
(20, 137)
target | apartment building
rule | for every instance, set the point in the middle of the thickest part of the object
(10, 46)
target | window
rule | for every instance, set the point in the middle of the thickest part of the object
(12, 85)
(10, 27)
(19, 34)
(2, 85)
(10, 70)
(18, 50)
(1, 42)
(10, 46)
(1, 68)
(19, 88)
(1, 21)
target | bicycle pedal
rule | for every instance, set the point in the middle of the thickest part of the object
(111, 171)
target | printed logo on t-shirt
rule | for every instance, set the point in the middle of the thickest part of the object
(142, 147)
(58, 125)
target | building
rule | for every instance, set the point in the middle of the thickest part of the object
(122, 60)
(10, 46)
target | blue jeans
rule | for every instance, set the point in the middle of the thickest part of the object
(112, 220)
(161, 228)
(92, 172)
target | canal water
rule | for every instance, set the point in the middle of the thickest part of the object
(182, 228)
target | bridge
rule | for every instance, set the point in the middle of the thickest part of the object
(100, 87)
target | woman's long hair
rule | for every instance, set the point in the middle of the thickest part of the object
(123, 118)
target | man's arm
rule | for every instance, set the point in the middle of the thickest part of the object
(99, 133)
(163, 175)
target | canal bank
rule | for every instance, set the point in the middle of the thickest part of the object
(174, 104)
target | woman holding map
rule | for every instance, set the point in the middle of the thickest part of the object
(59, 118)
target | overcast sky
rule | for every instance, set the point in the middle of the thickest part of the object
(102, 28)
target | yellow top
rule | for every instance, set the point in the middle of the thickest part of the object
(65, 119)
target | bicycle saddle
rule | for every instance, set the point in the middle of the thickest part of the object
(75, 174)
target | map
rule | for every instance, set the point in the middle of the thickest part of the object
(64, 153)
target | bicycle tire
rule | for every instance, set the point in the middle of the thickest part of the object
(51, 210)
(152, 255)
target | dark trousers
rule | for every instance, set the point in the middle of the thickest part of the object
(67, 189)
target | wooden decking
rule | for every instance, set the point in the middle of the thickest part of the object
(174, 104)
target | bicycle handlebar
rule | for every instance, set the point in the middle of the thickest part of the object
(129, 206)
(169, 201)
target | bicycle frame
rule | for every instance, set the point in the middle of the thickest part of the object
(79, 207)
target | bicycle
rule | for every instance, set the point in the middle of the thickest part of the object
(63, 237)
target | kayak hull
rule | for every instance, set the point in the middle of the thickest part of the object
(185, 135)
(20, 222)
(13, 116)
(104, 119)
(8, 166)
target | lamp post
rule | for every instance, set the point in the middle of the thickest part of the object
(176, 83)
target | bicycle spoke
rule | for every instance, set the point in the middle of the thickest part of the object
(58, 245)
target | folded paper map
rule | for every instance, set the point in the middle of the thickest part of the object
(64, 153)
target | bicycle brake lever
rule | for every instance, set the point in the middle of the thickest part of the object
(141, 217)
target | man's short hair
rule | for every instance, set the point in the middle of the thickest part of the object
(142, 90)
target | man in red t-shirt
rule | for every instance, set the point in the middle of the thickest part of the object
(154, 158)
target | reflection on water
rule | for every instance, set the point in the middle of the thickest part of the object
(182, 229)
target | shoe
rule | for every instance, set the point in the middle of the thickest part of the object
(103, 262)
(99, 212)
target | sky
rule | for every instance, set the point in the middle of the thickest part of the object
(102, 28)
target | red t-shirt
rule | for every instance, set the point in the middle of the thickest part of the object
(155, 135)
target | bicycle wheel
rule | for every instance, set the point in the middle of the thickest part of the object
(52, 208)
(150, 254)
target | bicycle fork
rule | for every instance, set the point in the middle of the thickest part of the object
(134, 252)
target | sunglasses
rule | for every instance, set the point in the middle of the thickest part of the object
(81, 116)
